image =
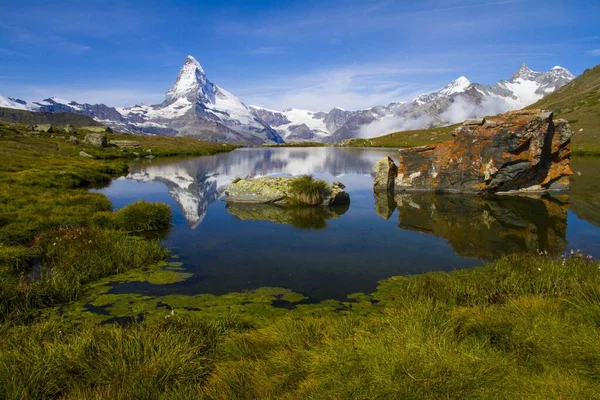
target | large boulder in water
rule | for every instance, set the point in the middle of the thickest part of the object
(280, 191)
(385, 174)
(520, 151)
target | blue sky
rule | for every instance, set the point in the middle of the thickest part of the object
(280, 54)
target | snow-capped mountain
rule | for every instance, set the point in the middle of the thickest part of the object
(193, 106)
(454, 103)
(196, 107)
(294, 124)
(9, 102)
(459, 100)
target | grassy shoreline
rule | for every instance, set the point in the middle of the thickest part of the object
(521, 327)
(44, 184)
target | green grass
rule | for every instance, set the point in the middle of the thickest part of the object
(308, 191)
(139, 216)
(579, 103)
(51, 360)
(68, 258)
(45, 205)
(413, 138)
(523, 327)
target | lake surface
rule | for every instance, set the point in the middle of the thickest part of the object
(331, 253)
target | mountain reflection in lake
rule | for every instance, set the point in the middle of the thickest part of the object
(330, 253)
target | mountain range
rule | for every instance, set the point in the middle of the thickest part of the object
(196, 107)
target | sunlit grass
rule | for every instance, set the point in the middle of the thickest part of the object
(308, 191)
(524, 327)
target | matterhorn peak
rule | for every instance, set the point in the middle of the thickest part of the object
(191, 82)
(192, 61)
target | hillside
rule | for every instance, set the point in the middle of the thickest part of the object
(579, 103)
(43, 117)
(414, 138)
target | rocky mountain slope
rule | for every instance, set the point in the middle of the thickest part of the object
(196, 107)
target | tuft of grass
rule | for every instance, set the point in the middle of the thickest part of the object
(53, 359)
(308, 191)
(136, 217)
(69, 258)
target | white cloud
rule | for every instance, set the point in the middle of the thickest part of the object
(352, 87)
(595, 52)
(458, 111)
(394, 124)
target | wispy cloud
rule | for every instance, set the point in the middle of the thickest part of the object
(595, 52)
(265, 50)
(351, 87)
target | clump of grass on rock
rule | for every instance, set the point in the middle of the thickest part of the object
(309, 191)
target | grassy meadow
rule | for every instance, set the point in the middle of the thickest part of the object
(55, 235)
(419, 137)
(521, 327)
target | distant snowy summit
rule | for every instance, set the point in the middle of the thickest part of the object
(196, 107)
(457, 101)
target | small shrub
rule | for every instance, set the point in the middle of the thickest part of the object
(136, 217)
(308, 191)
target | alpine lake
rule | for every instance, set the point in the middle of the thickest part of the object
(240, 257)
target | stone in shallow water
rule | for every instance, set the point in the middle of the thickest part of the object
(278, 191)
(385, 173)
(520, 151)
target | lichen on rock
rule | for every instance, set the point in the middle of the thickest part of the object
(519, 151)
(280, 191)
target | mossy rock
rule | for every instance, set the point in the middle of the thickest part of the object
(286, 191)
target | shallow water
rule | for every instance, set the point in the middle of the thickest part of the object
(330, 253)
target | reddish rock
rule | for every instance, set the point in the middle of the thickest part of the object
(521, 150)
